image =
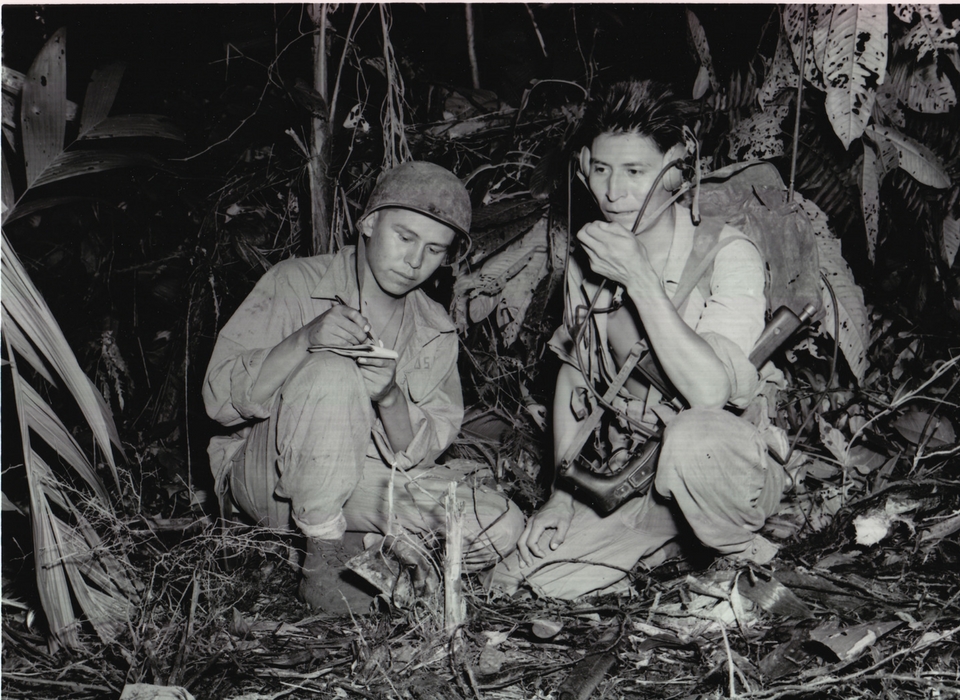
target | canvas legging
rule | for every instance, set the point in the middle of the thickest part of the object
(714, 478)
(313, 464)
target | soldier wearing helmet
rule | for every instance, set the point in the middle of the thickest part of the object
(319, 430)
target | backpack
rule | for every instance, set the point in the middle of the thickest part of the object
(753, 199)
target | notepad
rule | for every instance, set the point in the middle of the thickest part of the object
(366, 350)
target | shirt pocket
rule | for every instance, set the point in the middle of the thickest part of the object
(420, 382)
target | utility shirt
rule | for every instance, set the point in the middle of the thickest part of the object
(289, 296)
(731, 320)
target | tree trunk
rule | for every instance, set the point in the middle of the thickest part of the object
(321, 241)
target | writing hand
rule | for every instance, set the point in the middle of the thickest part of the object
(338, 326)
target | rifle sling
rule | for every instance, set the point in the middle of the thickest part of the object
(591, 421)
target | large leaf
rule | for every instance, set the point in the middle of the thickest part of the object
(43, 107)
(74, 163)
(101, 92)
(951, 239)
(41, 203)
(23, 304)
(854, 66)
(930, 34)
(849, 314)
(48, 426)
(134, 125)
(782, 75)
(929, 90)
(887, 108)
(707, 76)
(870, 198)
(759, 137)
(51, 578)
(918, 160)
(7, 186)
(817, 24)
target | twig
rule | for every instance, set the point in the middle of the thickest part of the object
(453, 616)
(796, 121)
(726, 647)
(533, 21)
(471, 47)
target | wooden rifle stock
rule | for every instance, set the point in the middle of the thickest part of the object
(606, 492)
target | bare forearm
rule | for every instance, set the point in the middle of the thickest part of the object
(687, 359)
(279, 363)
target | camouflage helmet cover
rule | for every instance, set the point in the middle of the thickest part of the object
(425, 188)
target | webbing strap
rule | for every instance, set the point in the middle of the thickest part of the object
(591, 421)
(701, 257)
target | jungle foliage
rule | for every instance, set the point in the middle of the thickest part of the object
(128, 240)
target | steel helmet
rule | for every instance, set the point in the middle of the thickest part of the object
(425, 188)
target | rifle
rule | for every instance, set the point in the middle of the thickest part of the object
(607, 492)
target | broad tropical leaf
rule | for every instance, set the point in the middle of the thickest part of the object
(930, 34)
(951, 239)
(134, 125)
(41, 204)
(918, 160)
(887, 108)
(72, 564)
(782, 75)
(98, 100)
(854, 66)
(928, 90)
(75, 163)
(23, 304)
(7, 187)
(816, 32)
(707, 77)
(853, 321)
(43, 109)
(870, 198)
(759, 137)
(49, 428)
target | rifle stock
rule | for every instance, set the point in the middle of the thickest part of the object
(607, 492)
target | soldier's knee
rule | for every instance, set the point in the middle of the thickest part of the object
(323, 371)
(689, 446)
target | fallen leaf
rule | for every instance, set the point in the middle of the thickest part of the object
(145, 691)
(491, 660)
(918, 426)
(773, 597)
(545, 629)
(942, 529)
(850, 642)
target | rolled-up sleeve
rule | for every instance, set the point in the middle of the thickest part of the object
(271, 312)
(733, 317)
(435, 403)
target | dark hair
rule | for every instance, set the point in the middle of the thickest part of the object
(642, 107)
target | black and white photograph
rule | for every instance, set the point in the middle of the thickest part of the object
(480, 351)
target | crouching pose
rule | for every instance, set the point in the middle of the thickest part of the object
(331, 443)
(715, 482)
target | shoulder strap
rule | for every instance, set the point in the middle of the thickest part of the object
(706, 247)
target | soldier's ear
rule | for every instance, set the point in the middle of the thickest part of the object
(583, 164)
(366, 224)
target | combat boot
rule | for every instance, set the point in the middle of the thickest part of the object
(326, 585)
